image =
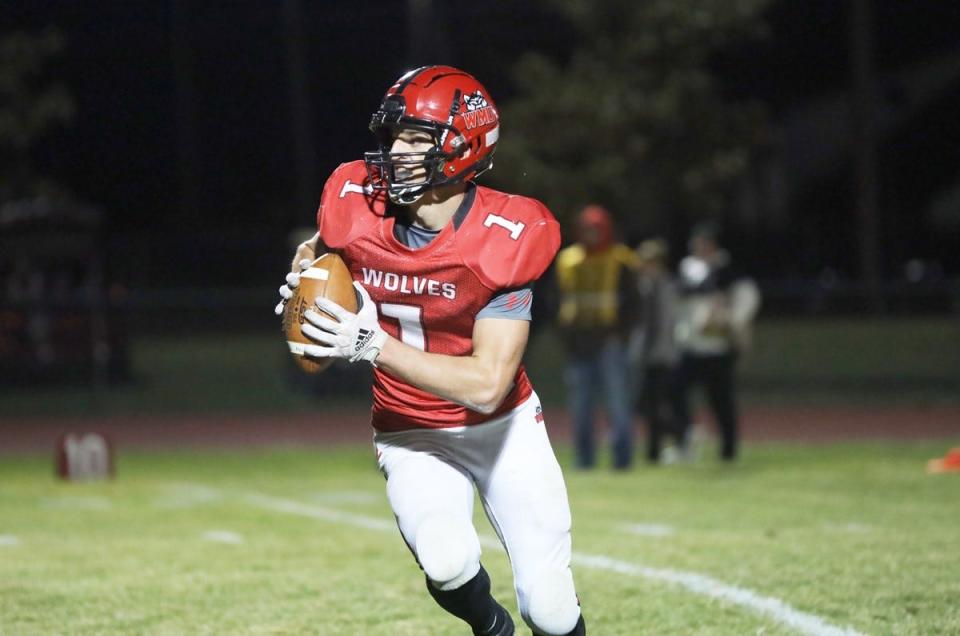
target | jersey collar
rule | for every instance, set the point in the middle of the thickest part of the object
(401, 222)
(461, 214)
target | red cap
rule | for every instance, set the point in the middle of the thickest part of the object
(595, 228)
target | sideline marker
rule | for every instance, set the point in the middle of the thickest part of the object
(950, 463)
(84, 457)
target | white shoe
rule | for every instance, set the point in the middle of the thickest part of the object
(670, 455)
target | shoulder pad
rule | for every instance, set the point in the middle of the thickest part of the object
(348, 206)
(508, 241)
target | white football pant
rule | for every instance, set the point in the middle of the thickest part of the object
(430, 479)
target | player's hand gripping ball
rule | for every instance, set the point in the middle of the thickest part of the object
(326, 277)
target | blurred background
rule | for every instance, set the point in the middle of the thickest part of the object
(161, 159)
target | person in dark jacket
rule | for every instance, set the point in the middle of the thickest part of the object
(717, 308)
(653, 344)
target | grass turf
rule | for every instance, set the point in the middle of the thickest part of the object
(855, 534)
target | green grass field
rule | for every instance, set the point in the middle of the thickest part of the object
(301, 541)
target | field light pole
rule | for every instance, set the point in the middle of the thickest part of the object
(865, 148)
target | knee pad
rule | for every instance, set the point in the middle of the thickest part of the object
(552, 607)
(448, 551)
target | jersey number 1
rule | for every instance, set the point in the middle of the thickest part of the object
(411, 325)
(509, 226)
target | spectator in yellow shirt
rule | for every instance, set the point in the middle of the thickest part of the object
(596, 281)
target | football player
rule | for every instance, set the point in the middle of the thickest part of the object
(444, 269)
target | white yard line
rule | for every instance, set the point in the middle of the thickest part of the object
(75, 503)
(319, 512)
(8, 541)
(776, 609)
(223, 536)
(187, 496)
(700, 584)
(648, 529)
(347, 497)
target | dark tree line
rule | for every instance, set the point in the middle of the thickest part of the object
(634, 118)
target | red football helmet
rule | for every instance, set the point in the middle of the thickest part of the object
(455, 110)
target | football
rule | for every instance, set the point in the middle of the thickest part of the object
(328, 276)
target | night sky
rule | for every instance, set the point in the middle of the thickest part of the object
(121, 153)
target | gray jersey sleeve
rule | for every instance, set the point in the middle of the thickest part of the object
(513, 304)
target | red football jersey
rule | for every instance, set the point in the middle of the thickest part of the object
(429, 297)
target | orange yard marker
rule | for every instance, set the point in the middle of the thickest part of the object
(949, 464)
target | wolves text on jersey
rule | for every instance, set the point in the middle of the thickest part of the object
(408, 284)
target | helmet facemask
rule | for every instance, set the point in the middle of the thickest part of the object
(387, 169)
(406, 176)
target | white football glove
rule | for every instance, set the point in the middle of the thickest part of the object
(286, 290)
(352, 336)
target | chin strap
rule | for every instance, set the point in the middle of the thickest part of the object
(406, 196)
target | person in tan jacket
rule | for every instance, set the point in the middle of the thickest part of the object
(717, 308)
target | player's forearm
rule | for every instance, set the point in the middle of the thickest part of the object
(477, 384)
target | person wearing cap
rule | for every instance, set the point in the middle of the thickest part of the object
(653, 347)
(596, 283)
(717, 309)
